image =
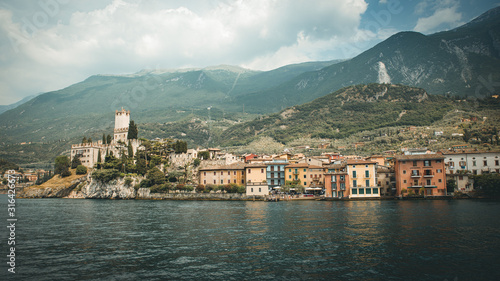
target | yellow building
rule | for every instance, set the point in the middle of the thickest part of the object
(256, 182)
(226, 174)
(362, 178)
(305, 174)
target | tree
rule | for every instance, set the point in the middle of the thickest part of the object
(196, 162)
(108, 139)
(75, 162)
(130, 152)
(451, 185)
(141, 166)
(62, 165)
(155, 176)
(204, 155)
(467, 135)
(132, 130)
(99, 160)
(84, 140)
(89, 140)
(103, 138)
(488, 183)
(81, 170)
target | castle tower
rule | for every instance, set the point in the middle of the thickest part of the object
(122, 120)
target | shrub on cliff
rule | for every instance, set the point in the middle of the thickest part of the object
(105, 175)
(81, 170)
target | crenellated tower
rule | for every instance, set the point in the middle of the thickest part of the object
(122, 120)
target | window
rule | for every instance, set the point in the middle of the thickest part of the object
(311, 176)
(415, 163)
(251, 189)
(428, 182)
(229, 173)
(215, 182)
(496, 162)
(304, 170)
(204, 181)
(361, 191)
(334, 185)
(440, 180)
(375, 191)
(473, 163)
(305, 176)
(260, 190)
(221, 173)
(229, 181)
(368, 191)
(235, 181)
(427, 163)
(353, 166)
(272, 182)
(415, 182)
(290, 170)
(438, 161)
(367, 182)
(355, 183)
(272, 168)
(290, 176)
(221, 181)
(355, 191)
(242, 181)
(342, 178)
(215, 173)
(485, 163)
(249, 171)
(353, 174)
(367, 174)
(204, 173)
(404, 181)
(404, 172)
(305, 183)
(261, 171)
(474, 172)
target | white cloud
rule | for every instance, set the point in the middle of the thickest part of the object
(437, 15)
(126, 36)
(446, 16)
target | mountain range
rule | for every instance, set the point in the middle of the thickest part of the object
(460, 62)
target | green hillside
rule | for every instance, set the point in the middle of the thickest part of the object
(345, 112)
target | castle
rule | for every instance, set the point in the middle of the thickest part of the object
(88, 152)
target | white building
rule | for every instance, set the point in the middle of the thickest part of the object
(476, 162)
(89, 152)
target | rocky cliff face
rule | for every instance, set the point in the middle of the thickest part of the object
(57, 190)
(116, 189)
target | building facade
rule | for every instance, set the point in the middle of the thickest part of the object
(275, 172)
(225, 174)
(418, 173)
(362, 178)
(476, 162)
(337, 181)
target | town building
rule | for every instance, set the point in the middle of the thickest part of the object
(474, 161)
(309, 176)
(418, 173)
(362, 178)
(337, 181)
(275, 172)
(224, 174)
(386, 180)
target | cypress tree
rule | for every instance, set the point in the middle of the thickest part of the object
(103, 138)
(108, 139)
(130, 150)
(132, 130)
(84, 140)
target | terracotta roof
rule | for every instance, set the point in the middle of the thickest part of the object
(255, 165)
(466, 151)
(303, 165)
(355, 162)
(419, 157)
(234, 166)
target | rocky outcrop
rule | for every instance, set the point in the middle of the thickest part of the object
(58, 189)
(115, 189)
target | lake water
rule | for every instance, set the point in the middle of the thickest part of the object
(64, 239)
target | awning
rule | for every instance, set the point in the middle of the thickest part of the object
(314, 188)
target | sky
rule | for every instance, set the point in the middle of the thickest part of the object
(47, 45)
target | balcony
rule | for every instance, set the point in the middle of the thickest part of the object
(415, 175)
(416, 186)
(430, 186)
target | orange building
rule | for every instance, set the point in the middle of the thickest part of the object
(414, 172)
(337, 181)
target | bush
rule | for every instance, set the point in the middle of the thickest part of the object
(145, 183)
(105, 175)
(66, 173)
(81, 170)
(200, 188)
(180, 186)
(128, 181)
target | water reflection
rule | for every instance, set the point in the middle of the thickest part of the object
(354, 240)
